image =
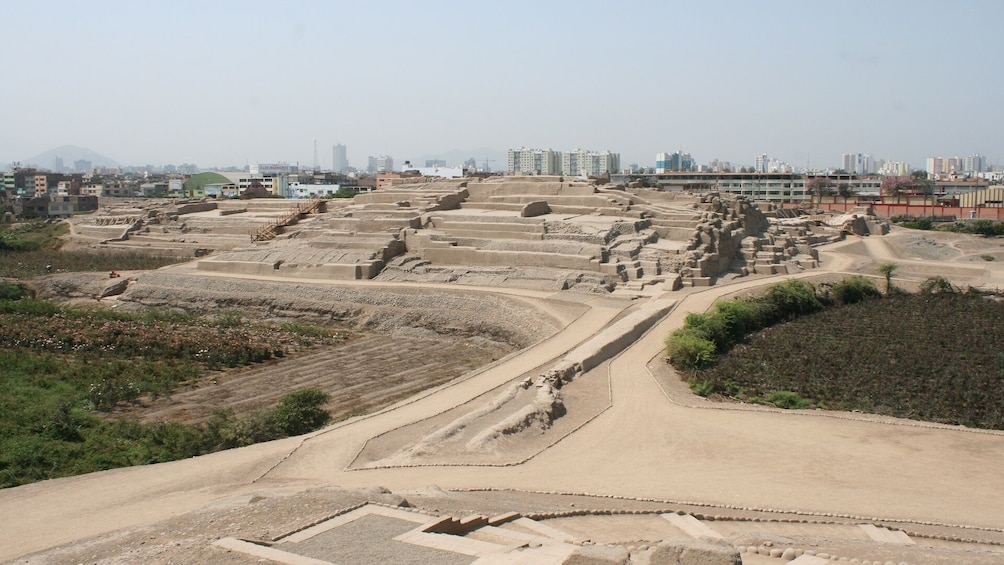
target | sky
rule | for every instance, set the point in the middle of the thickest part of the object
(230, 83)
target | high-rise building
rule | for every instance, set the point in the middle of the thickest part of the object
(895, 168)
(525, 161)
(673, 162)
(761, 163)
(857, 163)
(381, 164)
(584, 163)
(935, 166)
(339, 158)
(974, 164)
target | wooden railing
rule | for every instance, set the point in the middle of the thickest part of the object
(268, 231)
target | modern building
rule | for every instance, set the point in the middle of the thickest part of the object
(674, 162)
(52, 206)
(299, 191)
(761, 164)
(895, 169)
(857, 163)
(585, 163)
(524, 161)
(441, 171)
(339, 158)
(974, 164)
(381, 164)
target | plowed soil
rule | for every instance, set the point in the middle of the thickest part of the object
(361, 375)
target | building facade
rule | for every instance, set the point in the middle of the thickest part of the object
(339, 158)
(381, 164)
(524, 161)
(585, 163)
(674, 162)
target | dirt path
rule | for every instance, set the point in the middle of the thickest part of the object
(653, 442)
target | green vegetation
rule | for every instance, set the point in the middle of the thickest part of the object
(30, 249)
(61, 368)
(986, 228)
(936, 355)
(704, 335)
(887, 270)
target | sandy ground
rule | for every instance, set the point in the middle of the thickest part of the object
(655, 441)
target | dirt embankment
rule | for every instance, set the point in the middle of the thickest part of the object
(447, 313)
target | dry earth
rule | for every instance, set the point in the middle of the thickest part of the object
(755, 475)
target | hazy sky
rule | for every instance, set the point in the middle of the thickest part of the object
(221, 83)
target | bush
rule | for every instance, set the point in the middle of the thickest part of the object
(9, 291)
(937, 285)
(853, 290)
(739, 317)
(688, 350)
(301, 411)
(789, 300)
(920, 224)
(787, 400)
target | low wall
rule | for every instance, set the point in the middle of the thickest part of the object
(484, 190)
(619, 336)
(472, 256)
(195, 207)
(329, 271)
(888, 210)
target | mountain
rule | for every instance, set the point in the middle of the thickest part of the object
(69, 154)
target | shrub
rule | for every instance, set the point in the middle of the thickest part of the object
(688, 350)
(787, 400)
(937, 285)
(789, 300)
(702, 388)
(254, 428)
(10, 291)
(709, 327)
(920, 224)
(853, 290)
(739, 317)
(301, 411)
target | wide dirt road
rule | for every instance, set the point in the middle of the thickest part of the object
(656, 441)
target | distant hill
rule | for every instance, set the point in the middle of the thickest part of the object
(69, 154)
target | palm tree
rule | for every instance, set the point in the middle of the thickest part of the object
(886, 270)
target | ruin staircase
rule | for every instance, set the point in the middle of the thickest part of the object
(274, 227)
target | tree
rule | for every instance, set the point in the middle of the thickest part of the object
(819, 186)
(896, 186)
(845, 190)
(886, 270)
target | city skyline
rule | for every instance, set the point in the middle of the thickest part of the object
(205, 83)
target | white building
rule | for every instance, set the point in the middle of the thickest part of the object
(435, 171)
(524, 161)
(584, 163)
(381, 164)
(297, 190)
(762, 162)
(895, 169)
(857, 163)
